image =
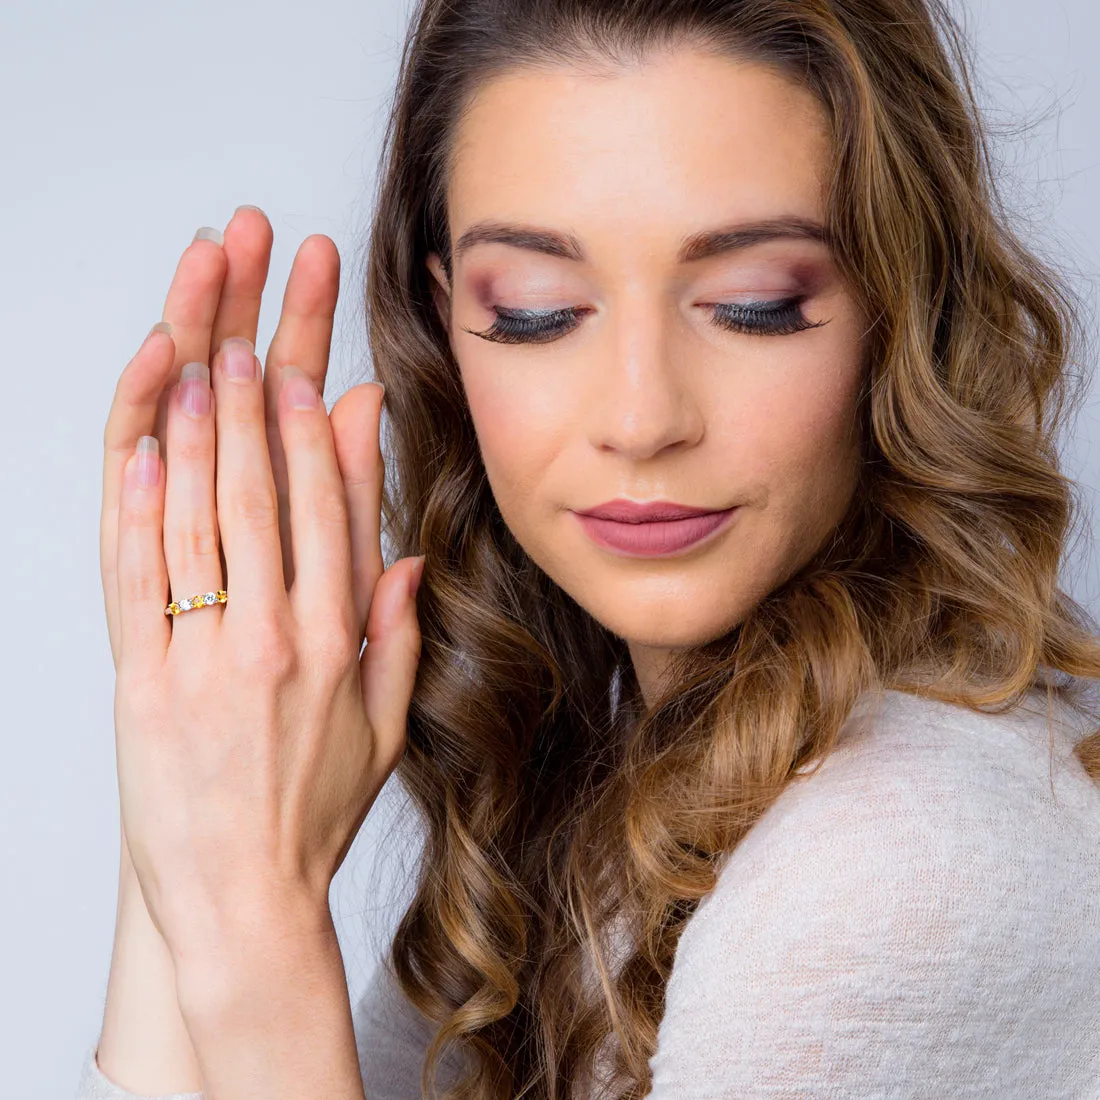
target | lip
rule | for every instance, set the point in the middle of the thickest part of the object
(622, 510)
(654, 538)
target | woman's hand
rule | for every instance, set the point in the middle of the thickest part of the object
(251, 738)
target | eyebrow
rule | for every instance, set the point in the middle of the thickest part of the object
(697, 246)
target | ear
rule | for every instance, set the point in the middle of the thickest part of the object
(441, 289)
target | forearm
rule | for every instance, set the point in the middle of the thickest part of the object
(268, 1010)
(144, 1045)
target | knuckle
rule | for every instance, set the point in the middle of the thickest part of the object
(397, 751)
(240, 412)
(198, 540)
(389, 748)
(114, 439)
(255, 507)
(137, 511)
(267, 653)
(328, 509)
(194, 450)
(139, 521)
(140, 586)
(111, 444)
(137, 691)
(332, 646)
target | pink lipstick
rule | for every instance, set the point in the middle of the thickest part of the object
(650, 530)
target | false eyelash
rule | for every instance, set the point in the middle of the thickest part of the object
(779, 318)
(759, 319)
(528, 327)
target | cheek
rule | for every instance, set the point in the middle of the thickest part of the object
(824, 416)
(517, 419)
(803, 428)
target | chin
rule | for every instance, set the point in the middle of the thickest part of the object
(687, 637)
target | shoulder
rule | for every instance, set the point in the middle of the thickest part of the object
(923, 808)
(916, 790)
(918, 892)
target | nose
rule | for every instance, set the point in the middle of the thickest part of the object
(642, 399)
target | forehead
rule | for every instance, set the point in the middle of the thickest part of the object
(683, 137)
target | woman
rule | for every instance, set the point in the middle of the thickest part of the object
(793, 798)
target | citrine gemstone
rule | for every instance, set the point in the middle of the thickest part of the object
(204, 599)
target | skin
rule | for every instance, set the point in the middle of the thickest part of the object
(647, 397)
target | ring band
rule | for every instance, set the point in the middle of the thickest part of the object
(195, 602)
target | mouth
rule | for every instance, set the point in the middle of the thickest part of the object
(623, 510)
(656, 537)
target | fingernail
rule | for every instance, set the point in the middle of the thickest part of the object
(208, 233)
(148, 461)
(249, 206)
(415, 574)
(299, 387)
(161, 326)
(239, 358)
(380, 386)
(194, 385)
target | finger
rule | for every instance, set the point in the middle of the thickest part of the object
(389, 663)
(133, 414)
(304, 334)
(191, 540)
(322, 592)
(192, 305)
(354, 419)
(304, 338)
(144, 631)
(247, 245)
(188, 310)
(245, 489)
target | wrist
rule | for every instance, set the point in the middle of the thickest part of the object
(244, 961)
(269, 1013)
(143, 1042)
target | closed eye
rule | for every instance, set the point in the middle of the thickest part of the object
(525, 326)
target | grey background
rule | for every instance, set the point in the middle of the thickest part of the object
(123, 127)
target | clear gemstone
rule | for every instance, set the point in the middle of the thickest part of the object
(210, 597)
(185, 605)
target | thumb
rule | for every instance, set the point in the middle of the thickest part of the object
(387, 667)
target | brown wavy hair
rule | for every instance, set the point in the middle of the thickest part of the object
(553, 801)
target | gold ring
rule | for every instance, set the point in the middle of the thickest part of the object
(205, 599)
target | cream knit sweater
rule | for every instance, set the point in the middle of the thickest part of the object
(920, 918)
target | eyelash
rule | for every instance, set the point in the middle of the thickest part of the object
(781, 318)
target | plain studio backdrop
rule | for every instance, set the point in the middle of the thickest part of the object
(123, 128)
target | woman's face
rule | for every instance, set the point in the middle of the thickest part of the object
(644, 393)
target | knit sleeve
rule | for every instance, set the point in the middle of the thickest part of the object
(391, 1037)
(94, 1084)
(918, 920)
